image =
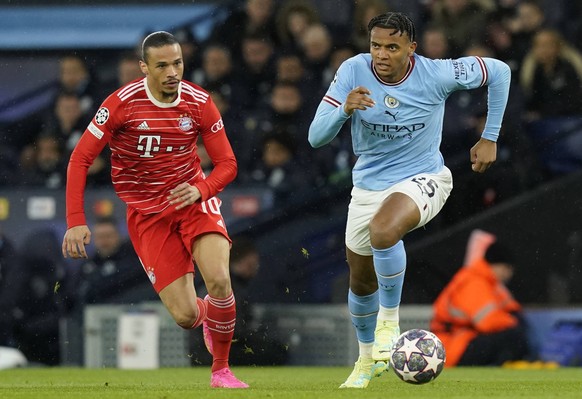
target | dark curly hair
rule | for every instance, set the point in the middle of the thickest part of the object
(394, 20)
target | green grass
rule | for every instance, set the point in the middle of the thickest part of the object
(285, 382)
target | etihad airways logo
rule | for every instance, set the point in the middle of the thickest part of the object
(393, 131)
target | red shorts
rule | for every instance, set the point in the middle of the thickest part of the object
(163, 241)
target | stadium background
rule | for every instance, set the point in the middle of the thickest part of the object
(301, 241)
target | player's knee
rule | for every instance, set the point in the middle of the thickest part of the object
(186, 319)
(363, 287)
(219, 286)
(383, 235)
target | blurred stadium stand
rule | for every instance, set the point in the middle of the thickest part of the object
(31, 39)
(95, 26)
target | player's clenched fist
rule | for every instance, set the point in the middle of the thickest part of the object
(358, 99)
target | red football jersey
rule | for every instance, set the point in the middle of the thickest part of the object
(153, 148)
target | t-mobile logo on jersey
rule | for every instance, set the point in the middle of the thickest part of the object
(149, 145)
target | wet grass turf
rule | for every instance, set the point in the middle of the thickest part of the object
(285, 382)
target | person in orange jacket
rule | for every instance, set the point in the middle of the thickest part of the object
(475, 316)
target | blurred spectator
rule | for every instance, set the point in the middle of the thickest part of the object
(216, 66)
(316, 47)
(529, 18)
(551, 77)
(190, 49)
(499, 39)
(290, 69)
(65, 119)
(364, 11)
(292, 20)
(434, 43)
(464, 22)
(76, 77)
(127, 70)
(216, 71)
(48, 167)
(114, 273)
(338, 55)
(253, 344)
(33, 296)
(256, 73)
(280, 170)
(286, 111)
(241, 129)
(476, 317)
(67, 122)
(255, 18)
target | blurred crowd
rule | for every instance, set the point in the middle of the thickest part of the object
(268, 64)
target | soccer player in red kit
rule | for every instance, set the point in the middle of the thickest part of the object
(173, 214)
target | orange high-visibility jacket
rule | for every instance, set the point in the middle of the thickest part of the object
(473, 303)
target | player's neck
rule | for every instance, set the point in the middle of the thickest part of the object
(159, 95)
(403, 74)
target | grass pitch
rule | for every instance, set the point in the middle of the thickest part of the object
(285, 382)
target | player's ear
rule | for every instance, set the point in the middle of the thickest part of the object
(411, 49)
(144, 68)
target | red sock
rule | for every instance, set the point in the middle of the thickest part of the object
(220, 321)
(202, 312)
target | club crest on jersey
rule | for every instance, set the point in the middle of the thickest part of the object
(185, 123)
(101, 116)
(391, 102)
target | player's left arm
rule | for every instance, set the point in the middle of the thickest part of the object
(473, 72)
(484, 152)
(220, 152)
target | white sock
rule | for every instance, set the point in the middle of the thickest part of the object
(366, 349)
(388, 314)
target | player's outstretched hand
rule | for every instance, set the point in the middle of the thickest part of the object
(75, 240)
(483, 154)
(358, 99)
(184, 194)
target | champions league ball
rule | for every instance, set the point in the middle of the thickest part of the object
(418, 356)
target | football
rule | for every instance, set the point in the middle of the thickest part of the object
(418, 356)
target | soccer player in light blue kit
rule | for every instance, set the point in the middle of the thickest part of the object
(396, 101)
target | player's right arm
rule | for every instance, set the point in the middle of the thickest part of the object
(335, 108)
(87, 149)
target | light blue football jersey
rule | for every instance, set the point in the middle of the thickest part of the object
(400, 136)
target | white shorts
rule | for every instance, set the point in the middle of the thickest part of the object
(428, 191)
